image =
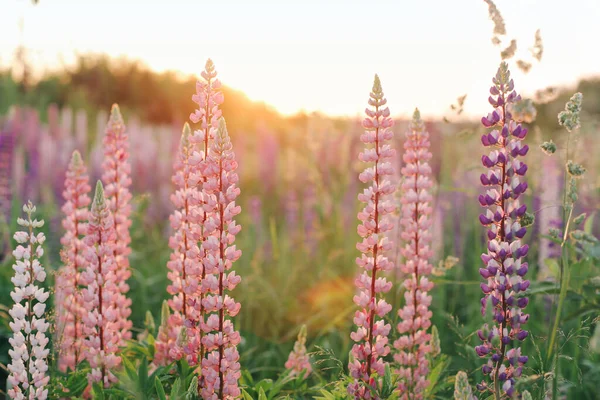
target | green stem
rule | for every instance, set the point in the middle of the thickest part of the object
(564, 282)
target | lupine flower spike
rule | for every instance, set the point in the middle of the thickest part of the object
(116, 178)
(28, 366)
(102, 295)
(462, 389)
(184, 265)
(504, 269)
(298, 361)
(414, 343)
(220, 368)
(371, 333)
(208, 97)
(69, 307)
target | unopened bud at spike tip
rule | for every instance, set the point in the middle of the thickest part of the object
(99, 199)
(76, 158)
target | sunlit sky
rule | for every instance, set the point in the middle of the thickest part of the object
(319, 55)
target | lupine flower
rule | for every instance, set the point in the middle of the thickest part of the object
(208, 97)
(414, 343)
(69, 304)
(462, 389)
(28, 367)
(298, 361)
(116, 179)
(185, 268)
(102, 297)
(220, 367)
(371, 333)
(504, 269)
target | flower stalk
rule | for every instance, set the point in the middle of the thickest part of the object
(69, 303)
(371, 333)
(504, 269)
(28, 367)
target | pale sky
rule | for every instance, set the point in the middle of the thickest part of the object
(320, 55)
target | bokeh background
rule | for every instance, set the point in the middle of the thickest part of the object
(297, 75)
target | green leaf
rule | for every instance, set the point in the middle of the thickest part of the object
(160, 390)
(129, 368)
(262, 395)
(176, 389)
(143, 375)
(98, 391)
(246, 395)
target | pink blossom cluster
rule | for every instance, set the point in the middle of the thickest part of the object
(28, 367)
(184, 266)
(298, 361)
(102, 297)
(208, 97)
(69, 304)
(220, 367)
(371, 333)
(414, 343)
(116, 179)
(183, 334)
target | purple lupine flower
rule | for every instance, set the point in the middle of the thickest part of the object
(504, 269)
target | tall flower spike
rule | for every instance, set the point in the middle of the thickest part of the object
(184, 265)
(504, 269)
(69, 306)
(414, 343)
(101, 297)
(116, 179)
(298, 361)
(221, 368)
(208, 97)
(372, 331)
(28, 355)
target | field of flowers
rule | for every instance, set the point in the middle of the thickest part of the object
(159, 262)
(240, 254)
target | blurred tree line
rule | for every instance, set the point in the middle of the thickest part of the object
(95, 82)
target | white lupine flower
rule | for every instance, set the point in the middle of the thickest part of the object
(27, 379)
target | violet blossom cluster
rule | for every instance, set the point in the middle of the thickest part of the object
(69, 304)
(371, 333)
(220, 367)
(117, 180)
(28, 367)
(101, 296)
(414, 345)
(504, 269)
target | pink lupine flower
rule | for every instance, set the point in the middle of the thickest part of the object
(504, 270)
(69, 304)
(185, 268)
(414, 342)
(116, 179)
(371, 333)
(102, 297)
(220, 368)
(298, 361)
(208, 97)
(28, 366)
